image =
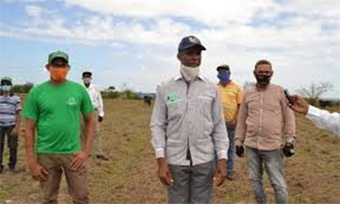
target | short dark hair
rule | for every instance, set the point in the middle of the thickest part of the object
(263, 61)
(87, 73)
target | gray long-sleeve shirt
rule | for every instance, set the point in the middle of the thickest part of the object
(188, 116)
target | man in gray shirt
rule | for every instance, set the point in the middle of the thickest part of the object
(188, 130)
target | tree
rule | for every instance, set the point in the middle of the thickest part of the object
(315, 90)
(23, 88)
(111, 88)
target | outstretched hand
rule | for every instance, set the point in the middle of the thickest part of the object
(299, 104)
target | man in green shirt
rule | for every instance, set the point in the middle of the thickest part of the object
(53, 108)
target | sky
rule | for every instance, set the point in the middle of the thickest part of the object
(134, 42)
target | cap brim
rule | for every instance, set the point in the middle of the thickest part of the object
(58, 57)
(192, 46)
(223, 68)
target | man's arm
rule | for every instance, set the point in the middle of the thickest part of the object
(90, 125)
(101, 105)
(289, 120)
(239, 99)
(241, 123)
(82, 156)
(158, 126)
(324, 119)
(16, 129)
(38, 172)
(220, 139)
(321, 118)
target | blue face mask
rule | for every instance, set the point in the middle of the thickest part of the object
(223, 78)
(6, 87)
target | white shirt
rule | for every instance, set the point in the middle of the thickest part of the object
(96, 98)
(324, 119)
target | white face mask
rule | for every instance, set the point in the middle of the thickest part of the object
(87, 80)
(190, 73)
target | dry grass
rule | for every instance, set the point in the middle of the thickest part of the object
(313, 174)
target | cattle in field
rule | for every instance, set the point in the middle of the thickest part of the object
(325, 103)
(147, 100)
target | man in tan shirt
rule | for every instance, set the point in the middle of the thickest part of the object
(264, 122)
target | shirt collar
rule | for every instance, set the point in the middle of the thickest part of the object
(181, 77)
(91, 85)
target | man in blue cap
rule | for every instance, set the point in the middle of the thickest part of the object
(188, 130)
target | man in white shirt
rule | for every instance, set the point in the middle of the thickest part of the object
(97, 102)
(321, 118)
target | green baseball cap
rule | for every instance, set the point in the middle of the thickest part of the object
(57, 54)
(6, 79)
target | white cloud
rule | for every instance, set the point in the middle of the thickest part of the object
(34, 11)
(216, 13)
(298, 46)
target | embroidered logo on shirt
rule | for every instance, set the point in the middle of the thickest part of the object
(71, 101)
(172, 98)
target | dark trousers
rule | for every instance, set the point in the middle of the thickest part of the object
(12, 143)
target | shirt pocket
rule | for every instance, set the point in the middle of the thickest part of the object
(205, 105)
(205, 113)
(176, 109)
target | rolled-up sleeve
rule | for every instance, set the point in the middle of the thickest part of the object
(158, 125)
(220, 135)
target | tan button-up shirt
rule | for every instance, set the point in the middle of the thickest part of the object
(264, 118)
(189, 116)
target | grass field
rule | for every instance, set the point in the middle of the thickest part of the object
(313, 174)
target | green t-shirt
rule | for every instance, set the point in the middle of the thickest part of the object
(57, 111)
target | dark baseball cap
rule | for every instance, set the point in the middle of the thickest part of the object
(189, 42)
(224, 67)
(87, 73)
(57, 54)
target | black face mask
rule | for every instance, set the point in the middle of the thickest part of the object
(263, 79)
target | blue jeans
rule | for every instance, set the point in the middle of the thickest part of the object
(231, 150)
(12, 144)
(272, 161)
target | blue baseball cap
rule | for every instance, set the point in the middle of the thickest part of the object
(189, 42)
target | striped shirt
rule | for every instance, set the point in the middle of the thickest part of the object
(8, 110)
(188, 118)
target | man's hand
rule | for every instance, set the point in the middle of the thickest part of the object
(164, 172)
(299, 104)
(221, 172)
(288, 149)
(100, 119)
(15, 131)
(232, 124)
(38, 172)
(239, 148)
(79, 160)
